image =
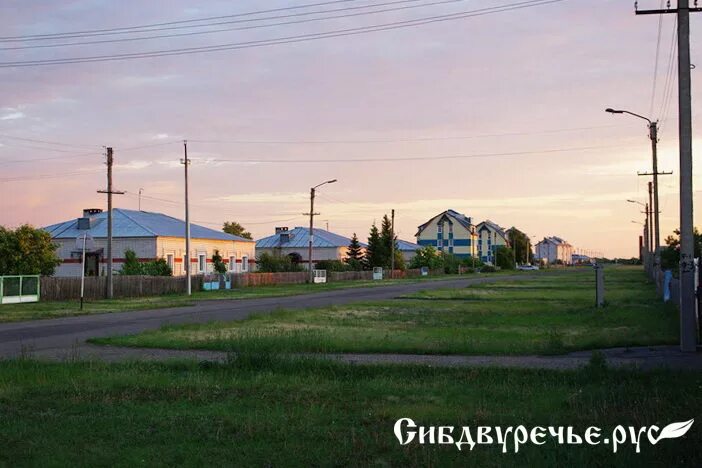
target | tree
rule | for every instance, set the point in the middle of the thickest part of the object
(374, 252)
(387, 239)
(354, 254)
(236, 229)
(521, 245)
(218, 264)
(427, 257)
(670, 254)
(27, 251)
(504, 257)
(131, 264)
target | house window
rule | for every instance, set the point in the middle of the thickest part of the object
(201, 262)
(440, 228)
(440, 243)
(232, 263)
(450, 243)
(170, 260)
(245, 263)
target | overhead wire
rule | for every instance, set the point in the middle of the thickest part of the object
(284, 39)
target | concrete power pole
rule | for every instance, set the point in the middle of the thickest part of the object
(311, 235)
(688, 312)
(110, 160)
(186, 258)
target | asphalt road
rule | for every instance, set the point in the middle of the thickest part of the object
(65, 337)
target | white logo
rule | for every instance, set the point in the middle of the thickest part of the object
(511, 438)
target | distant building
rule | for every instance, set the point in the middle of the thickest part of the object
(151, 236)
(490, 237)
(294, 243)
(450, 232)
(580, 259)
(408, 249)
(554, 250)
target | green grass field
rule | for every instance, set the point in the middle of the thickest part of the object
(267, 411)
(550, 314)
(56, 309)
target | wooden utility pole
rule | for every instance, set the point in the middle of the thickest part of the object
(186, 258)
(110, 160)
(688, 306)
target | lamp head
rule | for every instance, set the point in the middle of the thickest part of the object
(613, 111)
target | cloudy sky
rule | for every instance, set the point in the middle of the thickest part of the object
(498, 116)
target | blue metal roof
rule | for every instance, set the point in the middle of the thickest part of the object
(407, 246)
(299, 237)
(130, 223)
(462, 219)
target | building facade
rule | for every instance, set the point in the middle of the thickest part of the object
(554, 250)
(295, 243)
(449, 232)
(490, 237)
(151, 236)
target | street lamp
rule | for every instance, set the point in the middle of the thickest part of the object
(312, 214)
(647, 231)
(653, 135)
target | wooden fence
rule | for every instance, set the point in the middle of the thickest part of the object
(68, 288)
(65, 288)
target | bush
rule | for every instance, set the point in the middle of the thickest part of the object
(488, 269)
(132, 266)
(332, 265)
(274, 263)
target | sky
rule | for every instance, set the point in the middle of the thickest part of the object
(499, 116)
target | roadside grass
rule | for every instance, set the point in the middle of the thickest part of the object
(543, 315)
(263, 410)
(56, 309)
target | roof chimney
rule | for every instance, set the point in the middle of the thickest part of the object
(88, 220)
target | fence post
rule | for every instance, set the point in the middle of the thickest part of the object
(599, 285)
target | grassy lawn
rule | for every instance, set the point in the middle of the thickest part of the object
(544, 315)
(267, 411)
(55, 309)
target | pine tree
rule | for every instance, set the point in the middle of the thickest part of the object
(374, 251)
(387, 239)
(354, 254)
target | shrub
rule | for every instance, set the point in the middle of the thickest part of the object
(332, 265)
(274, 263)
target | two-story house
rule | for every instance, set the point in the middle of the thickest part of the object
(450, 232)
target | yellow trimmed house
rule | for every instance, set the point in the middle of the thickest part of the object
(490, 237)
(451, 232)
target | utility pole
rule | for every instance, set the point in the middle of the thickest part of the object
(186, 258)
(392, 243)
(140, 190)
(312, 214)
(109, 192)
(688, 312)
(311, 235)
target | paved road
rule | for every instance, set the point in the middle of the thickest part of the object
(65, 337)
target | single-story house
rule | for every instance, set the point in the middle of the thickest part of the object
(151, 236)
(408, 249)
(294, 242)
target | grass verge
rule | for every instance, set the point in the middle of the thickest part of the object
(550, 314)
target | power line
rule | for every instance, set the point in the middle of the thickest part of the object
(671, 76)
(284, 40)
(655, 63)
(51, 176)
(48, 142)
(244, 28)
(400, 140)
(52, 158)
(133, 28)
(415, 158)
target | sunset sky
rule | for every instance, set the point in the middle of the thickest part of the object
(499, 116)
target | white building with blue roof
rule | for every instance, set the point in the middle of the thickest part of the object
(151, 236)
(294, 243)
